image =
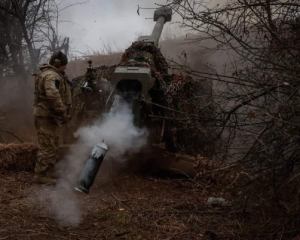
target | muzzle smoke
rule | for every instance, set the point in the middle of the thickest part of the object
(117, 130)
(120, 134)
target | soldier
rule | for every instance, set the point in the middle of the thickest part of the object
(51, 109)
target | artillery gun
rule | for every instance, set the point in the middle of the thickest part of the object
(134, 78)
(132, 81)
(142, 81)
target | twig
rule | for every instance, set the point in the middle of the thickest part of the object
(289, 180)
(51, 235)
(189, 178)
(14, 198)
(220, 169)
(122, 234)
(120, 201)
(5, 238)
(245, 206)
(11, 133)
(72, 5)
(170, 109)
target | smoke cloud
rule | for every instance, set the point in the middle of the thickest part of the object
(61, 203)
(118, 131)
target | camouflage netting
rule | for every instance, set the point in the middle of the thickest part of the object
(145, 55)
(185, 103)
(189, 113)
(21, 157)
(80, 101)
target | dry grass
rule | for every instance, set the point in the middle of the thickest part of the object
(21, 157)
(148, 207)
(127, 207)
(157, 206)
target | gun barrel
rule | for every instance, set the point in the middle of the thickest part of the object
(157, 31)
(161, 16)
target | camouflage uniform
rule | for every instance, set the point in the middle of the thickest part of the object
(52, 103)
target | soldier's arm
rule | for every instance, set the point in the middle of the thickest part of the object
(52, 84)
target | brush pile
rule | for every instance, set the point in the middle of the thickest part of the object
(19, 157)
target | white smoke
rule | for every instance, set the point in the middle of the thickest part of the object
(117, 130)
(120, 134)
(61, 203)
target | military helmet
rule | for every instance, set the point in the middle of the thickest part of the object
(58, 59)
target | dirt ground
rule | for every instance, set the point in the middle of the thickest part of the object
(125, 207)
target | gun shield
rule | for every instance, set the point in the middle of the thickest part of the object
(91, 168)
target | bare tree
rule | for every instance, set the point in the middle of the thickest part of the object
(257, 95)
(30, 34)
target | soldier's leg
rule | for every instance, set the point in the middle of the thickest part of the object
(48, 139)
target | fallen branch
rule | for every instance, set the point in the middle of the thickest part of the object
(11, 199)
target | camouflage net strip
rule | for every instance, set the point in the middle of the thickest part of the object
(79, 101)
(145, 55)
(20, 157)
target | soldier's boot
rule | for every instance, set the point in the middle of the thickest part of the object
(44, 179)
